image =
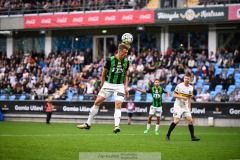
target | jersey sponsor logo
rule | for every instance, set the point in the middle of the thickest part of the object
(156, 95)
(120, 94)
(118, 69)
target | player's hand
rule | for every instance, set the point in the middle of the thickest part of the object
(136, 89)
(184, 98)
(101, 84)
(126, 93)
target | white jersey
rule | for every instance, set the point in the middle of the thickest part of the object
(185, 91)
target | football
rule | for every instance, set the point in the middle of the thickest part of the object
(127, 38)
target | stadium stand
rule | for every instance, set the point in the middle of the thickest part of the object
(24, 73)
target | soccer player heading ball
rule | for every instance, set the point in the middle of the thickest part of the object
(114, 80)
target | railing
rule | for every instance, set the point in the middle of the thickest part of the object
(109, 5)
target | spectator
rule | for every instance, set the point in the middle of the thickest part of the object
(193, 79)
(203, 97)
(49, 108)
(229, 81)
(218, 97)
(130, 110)
(212, 58)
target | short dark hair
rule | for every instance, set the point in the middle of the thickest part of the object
(188, 74)
(156, 80)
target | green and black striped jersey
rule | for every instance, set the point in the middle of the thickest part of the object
(116, 70)
(157, 95)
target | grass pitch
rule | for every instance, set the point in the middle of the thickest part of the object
(38, 141)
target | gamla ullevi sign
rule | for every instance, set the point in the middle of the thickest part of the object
(191, 14)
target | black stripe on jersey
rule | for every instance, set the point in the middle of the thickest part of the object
(114, 68)
(184, 95)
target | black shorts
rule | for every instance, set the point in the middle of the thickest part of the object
(130, 114)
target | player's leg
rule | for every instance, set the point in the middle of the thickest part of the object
(93, 113)
(157, 125)
(151, 113)
(177, 114)
(158, 114)
(129, 118)
(148, 123)
(117, 116)
(191, 128)
(119, 98)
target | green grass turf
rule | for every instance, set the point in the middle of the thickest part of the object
(38, 141)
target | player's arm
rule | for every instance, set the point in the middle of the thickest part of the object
(104, 73)
(107, 65)
(168, 94)
(143, 91)
(190, 103)
(126, 84)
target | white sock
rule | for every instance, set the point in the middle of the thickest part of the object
(117, 116)
(156, 129)
(148, 126)
(92, 114)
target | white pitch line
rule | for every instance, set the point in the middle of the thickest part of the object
(119, 134)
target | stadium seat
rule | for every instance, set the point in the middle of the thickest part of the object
(69, 98)
(134, 86)
(2, 97)
(237, 82)
(169, 99)
(112, 98)
(169, 87)
(237, 76)
(218, 88)
(149, 97)
(216, 66)
(199, 82)
(230, 71)
(232, 87)
(212, 94)
(22, 97)
(194, 70)
(205, 87)
(12, 97)
(137, 98)
(218, 71)
(70, 93)
(80, 98)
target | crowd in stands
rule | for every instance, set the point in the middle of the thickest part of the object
(37, 75)
(12, 7)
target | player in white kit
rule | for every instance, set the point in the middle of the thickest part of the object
(182, 106)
